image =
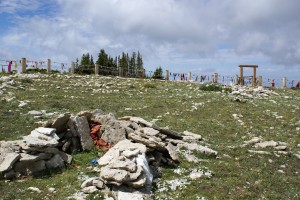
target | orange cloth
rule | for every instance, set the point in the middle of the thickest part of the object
(99, 142)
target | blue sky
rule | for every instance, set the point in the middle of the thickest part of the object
(202, 36)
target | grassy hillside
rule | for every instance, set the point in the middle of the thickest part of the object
(222, 121)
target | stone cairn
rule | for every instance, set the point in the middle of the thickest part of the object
(136, 149)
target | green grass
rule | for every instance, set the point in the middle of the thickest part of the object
(237, 174)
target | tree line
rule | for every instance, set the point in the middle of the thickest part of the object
(130, 66)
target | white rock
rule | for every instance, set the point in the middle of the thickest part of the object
(34, 189)
(46, 131)
(266, 144)
(8, 161)
(90, 189)
(196, 175)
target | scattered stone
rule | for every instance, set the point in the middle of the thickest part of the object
(189, 136)
(266, 144)
(90, 189)
(254, 140)
(52, 190)
(34, 189)
(260, 152)
(35, 113)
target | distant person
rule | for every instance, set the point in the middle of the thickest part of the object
(298, 84)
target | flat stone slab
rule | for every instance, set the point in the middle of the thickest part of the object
(83, 130)
(8, 161)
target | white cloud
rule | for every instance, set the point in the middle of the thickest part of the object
(169, 32)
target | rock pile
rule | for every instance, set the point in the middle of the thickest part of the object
(35, 153)
(137, 149)
(243, 93)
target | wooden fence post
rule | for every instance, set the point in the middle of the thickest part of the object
(23, 63)
(189, 76)
(49, 66)
(72, 68)
(96, 69)
(259, 81)
(284, 82)
(215, 79)
(167, 75)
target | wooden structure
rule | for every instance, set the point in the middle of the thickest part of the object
(242, 74)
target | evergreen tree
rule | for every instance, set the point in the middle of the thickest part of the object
(92, 61)
(85, 59)
(139, 64)
(158, 73)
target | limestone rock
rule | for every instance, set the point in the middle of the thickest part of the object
(29, 168)
(8, 161)
(83, 130)
(170, 133)
(35, 113)
(198, 148)
(60, 123)
(140, 120)
(149, 141)
(149, 131)
(87, 114)
(36, 157)
(189, 136)
(254, 140)
(46, 131)
(173, 151)
(90, 189)
(114, 175)
(266, 144)
(55, 162)
(113, 135)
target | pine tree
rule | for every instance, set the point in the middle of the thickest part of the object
(158, 73)
(92, 61)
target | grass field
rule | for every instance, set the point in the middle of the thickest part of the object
(224, 124)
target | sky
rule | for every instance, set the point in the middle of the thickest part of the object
(201, 36)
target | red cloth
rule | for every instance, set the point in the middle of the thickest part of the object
(298, 84)
(9, 67)
(99, 142)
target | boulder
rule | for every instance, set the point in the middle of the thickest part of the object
(113, 135)
(173, 151)
(55, 162)
(60, 123)
(28, 168)
(8, 161)
(83, 130)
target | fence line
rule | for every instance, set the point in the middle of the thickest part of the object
(48, 65)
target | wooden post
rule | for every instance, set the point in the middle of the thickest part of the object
(72, 68)
(236, 79)
(215, 79)
(49, 66)
(96, 69)
(284, 82)
(189, 76)
(120, 72)
(254, 77)
(143, 73)
(241, 76)
(23, 63)
(259, 81)
(167, 75)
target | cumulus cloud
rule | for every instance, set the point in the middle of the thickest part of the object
(175, 32)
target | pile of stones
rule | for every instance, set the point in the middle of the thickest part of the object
(243, 93)
(139, 150)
